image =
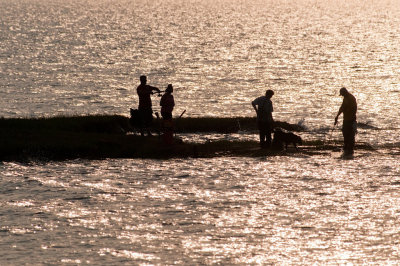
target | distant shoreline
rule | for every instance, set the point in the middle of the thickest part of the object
(105, 136)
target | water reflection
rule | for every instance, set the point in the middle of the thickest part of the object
(69, 58)
(226, 210)
(62, 59)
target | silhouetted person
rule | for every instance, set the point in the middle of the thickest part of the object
(349, 129)
(144, 91)
(265, 121)
(167, 103)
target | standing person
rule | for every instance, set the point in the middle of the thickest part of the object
(265, 122)
(145, 109)
(349, 128)
(167, 105)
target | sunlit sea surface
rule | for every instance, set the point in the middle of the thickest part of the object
(75, 57)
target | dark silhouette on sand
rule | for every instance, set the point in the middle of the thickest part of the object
(349, 128)
(265, 122)
(282, 138)
(167, 106)
(145, 106)
(167, 103)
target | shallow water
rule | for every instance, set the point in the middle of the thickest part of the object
(84, 57)
(286, 210)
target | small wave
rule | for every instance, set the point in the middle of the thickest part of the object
(320, 130)
(78, 198)
(366, 126)
(328, 129)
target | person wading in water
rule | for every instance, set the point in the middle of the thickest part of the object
(265, 122)
(349, 128)
(145, 108)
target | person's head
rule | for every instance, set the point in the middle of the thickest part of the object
(343, 91)
(269, 93)
(169, 89)
(143, 79)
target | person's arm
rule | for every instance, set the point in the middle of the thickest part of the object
(150, 89)
(162, 101)
(253, 103)
(270, 116)
(339, 113)
(155, 89)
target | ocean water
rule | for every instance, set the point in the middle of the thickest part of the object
(280, 210)
(78, 57)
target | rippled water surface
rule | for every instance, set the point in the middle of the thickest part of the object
(316, 209)
(78, 57)
(75, 57)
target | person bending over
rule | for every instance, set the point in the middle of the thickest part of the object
(349, 128)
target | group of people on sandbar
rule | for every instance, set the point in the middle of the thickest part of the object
(265, 122)
(167, 104)
(262, 105)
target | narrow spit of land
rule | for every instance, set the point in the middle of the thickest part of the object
(109, 136)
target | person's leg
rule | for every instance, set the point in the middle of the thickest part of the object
(262, 132)
(166, 115)
(268, 138)
(148, 121)
(344, 138)
(141, 119)
(352, 141)
(352, 136)
(348, 137)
